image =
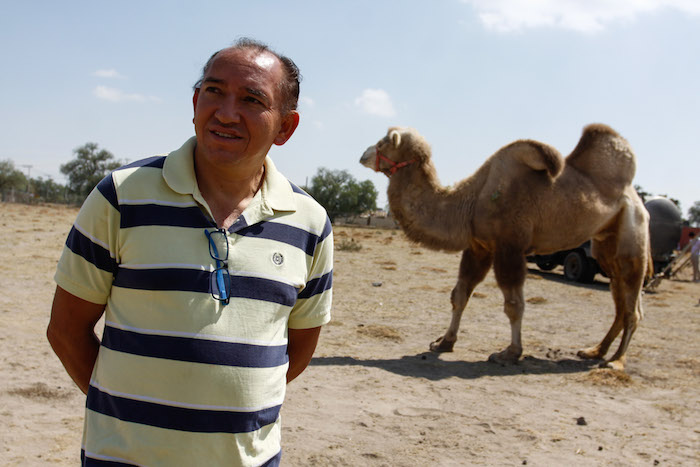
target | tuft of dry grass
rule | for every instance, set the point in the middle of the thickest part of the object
(536, 300)
(41, 391)
(380, 332)
(346, 245)
(434, 269)
(608, 377)
(387, 265)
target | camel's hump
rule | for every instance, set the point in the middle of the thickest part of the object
(605, 157)
(599, 128)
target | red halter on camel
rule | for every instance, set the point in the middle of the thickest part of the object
(394, 165)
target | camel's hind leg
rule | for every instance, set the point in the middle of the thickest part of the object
(472, 270)
(628, 312)
(624, 256)
(510, 269)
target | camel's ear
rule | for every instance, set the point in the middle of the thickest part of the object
(395, 138)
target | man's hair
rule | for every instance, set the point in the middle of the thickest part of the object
(292, 77)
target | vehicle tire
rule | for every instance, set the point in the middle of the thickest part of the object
(545, 264)
(577, 267)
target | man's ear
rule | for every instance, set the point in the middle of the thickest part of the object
(290, 122)
(195, 97)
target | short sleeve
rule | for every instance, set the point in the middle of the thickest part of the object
(88, 263)
(313, 305)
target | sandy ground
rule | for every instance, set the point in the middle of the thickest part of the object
(373, 395)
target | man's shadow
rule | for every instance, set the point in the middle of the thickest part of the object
(428, 365)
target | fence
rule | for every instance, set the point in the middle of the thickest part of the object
(16, 196)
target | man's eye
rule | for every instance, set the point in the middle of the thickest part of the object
(253, 100)
(212, 89)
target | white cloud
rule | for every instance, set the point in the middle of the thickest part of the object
(110, 73)
(117, 95)
(578, 15)
(376, 102)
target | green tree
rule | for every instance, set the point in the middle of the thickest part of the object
(645, 195)
(48, 190)
(341, 194)
(90, 165)
(10, 177)
(694, 214)
(642, 193)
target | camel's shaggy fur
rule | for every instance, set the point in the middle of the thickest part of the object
(526, 199)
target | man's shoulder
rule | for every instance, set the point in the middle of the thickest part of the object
(158, 161)
(149, 162)
(135, 172)
(306, 202)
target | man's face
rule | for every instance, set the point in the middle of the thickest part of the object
(238, 110)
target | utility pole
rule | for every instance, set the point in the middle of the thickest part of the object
(29, 168)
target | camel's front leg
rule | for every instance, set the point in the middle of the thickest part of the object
(459, 298)
(472, 270)
(510, 269)
(514, 307)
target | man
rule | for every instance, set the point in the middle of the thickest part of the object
(695, 255)
(213, 273)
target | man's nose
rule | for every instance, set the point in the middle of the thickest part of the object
(228, 110)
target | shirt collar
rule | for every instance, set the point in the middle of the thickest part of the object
(276, 190)
(178, 171)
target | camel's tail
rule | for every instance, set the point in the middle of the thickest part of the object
(648, 277)
(650, 265)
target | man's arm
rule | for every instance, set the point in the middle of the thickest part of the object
(71, 333)
(300, 348)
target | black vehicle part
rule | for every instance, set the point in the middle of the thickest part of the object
(545, 263)
(577, 267)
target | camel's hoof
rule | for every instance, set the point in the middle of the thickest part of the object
(505, 357)
(590, 354)
(442, 345)
(613, 365)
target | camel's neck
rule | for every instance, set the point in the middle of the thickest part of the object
(430, 214)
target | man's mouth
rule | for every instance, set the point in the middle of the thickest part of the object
(226, 135)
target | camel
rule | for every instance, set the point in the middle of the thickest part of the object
(525, 199)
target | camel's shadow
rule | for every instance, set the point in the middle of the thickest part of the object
(428, 365)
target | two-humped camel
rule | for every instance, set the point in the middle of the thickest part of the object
(525, 199)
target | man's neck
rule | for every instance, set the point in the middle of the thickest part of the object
(228, 196)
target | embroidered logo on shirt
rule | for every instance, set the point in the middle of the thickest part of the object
(277, 259)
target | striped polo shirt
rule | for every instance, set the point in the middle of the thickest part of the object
(180, 378)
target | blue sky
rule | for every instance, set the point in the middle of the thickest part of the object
(470, 75)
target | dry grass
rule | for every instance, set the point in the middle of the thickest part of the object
(608, 377)
(380, 332)
(348, 245)
(42, 391)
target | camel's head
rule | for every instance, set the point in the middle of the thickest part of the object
(400, 147)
